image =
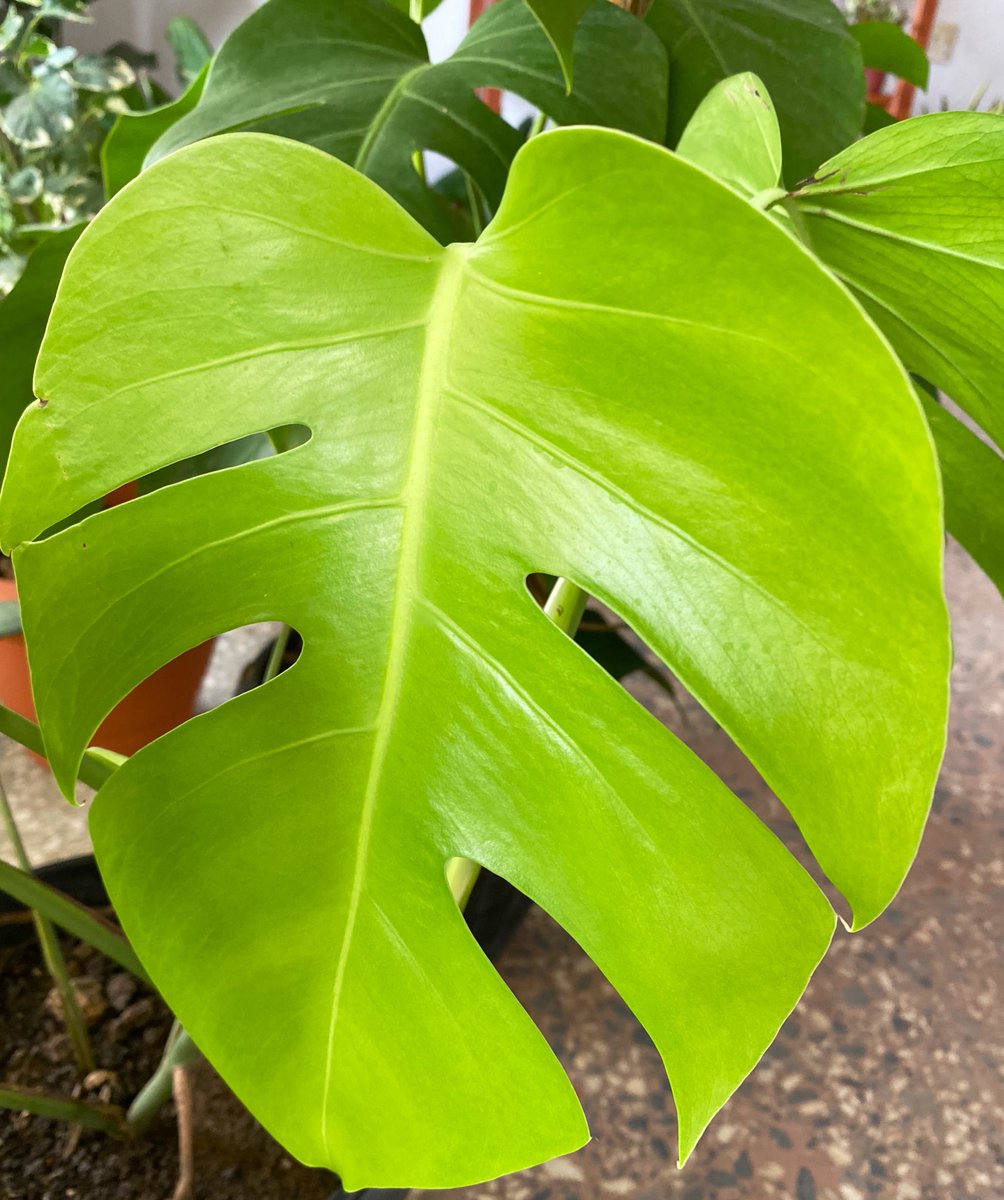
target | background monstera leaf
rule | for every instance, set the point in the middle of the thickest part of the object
(683, 413)
(734, 136)
(560, 20)
(24, 312)
(124, 150)
(354, 79)
(803, 50)
(912, 219)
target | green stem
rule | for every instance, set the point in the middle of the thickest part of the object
(95, 767)
(65, 912)
(539, 121)
(278, 650)
(462, 875)
(768, 198)
(383, 116)
(179, 1051)
(52, 953)
(475, 204)
(109, 1118)
(565, 605)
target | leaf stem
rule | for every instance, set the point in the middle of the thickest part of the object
(179, 1051)
(274, 663)
(475, 204)
(52, 953)
(565, 605)
(95, 767)
(537, 125)
(109, 1118)
(768, 198)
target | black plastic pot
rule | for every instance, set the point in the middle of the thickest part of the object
(77, 877)
(493, 914)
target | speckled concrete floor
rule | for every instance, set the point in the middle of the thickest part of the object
(886, 1082)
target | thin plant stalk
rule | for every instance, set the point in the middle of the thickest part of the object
(278, 650)
(179, 1051)
(96, 767)
(52, 953)
(75, 918)
(109, 1118)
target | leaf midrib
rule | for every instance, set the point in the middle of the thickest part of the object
(414, 499)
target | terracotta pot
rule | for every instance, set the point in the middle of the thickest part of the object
(157, 705)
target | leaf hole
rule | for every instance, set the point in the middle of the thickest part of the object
(618, 649)
(225, 456)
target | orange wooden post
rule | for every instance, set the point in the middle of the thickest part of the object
(920, 30)
(490, 96)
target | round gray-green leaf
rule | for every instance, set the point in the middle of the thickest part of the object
(42, 115)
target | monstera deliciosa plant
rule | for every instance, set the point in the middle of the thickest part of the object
(662, 378)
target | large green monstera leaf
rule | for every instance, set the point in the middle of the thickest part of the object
(912, 218)
(354, 79)
(802, 49)
(634, 381)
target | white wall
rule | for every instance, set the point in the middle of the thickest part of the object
(142, 22)
(967, 53)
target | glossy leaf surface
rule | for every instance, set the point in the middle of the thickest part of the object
(912, 218)
(354, 79)
(801, 49)
(640, 405)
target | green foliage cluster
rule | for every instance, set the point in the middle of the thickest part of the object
(56, 106)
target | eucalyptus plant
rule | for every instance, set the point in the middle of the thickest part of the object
(669, 379)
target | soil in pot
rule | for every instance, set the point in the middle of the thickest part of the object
(235, 1159)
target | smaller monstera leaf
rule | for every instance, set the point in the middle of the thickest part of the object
(734, 135)
(354, 79)
(912, 219)
(632, 380)
(802, 50)
(24, 312)
(125, 148)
